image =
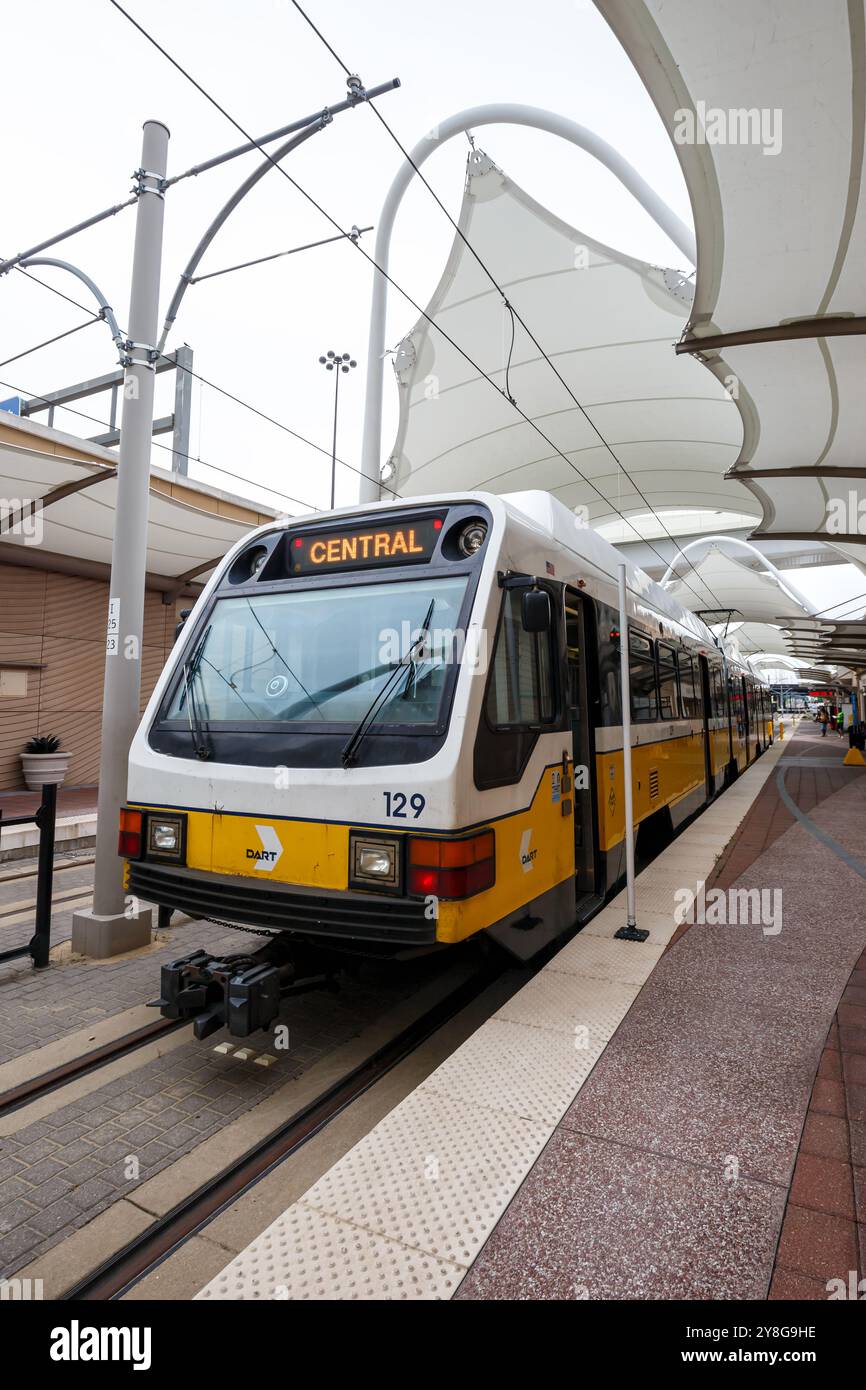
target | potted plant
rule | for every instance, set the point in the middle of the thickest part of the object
(43, 761)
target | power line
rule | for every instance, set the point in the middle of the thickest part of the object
(168, 448)
(48, 341)
(214, 387)
(391, 281)
(261, 260)
(509, 306)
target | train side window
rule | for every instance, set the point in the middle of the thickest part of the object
(642, 676)
(690, 688)
(521, 689)
(720, 704)
(669, 704)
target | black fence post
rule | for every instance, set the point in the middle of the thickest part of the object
(46, 817)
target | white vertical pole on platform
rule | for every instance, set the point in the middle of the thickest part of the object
(625, 689)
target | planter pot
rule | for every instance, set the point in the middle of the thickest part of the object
(42, 768)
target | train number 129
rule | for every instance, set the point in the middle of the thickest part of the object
(396, 803)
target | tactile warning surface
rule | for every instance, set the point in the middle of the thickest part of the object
(569, 1003)
(624, 962)
(306, 1254)
(531, 1073)
(435, 1174)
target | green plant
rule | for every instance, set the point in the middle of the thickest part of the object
(43, 743)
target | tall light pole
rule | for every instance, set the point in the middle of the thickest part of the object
(333, 362)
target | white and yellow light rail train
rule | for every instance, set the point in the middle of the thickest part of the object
(387, 729)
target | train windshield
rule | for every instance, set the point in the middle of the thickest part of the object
(321, 656)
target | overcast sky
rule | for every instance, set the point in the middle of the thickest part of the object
(84, 80)
(78, 82)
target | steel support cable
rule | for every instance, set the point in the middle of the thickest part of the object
(514, 314)
(238, 400)
(88, 323)
(168, 448)
(391, 281)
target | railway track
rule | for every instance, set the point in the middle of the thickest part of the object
(126, 1267)
(52, 1080)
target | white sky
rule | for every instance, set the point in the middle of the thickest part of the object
(84, 80)
(78, 82)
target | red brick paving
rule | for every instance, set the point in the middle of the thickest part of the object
(824, 1232)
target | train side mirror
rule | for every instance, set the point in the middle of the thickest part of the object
(184, 614)
(536, 614)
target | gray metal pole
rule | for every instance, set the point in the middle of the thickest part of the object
(182, 409)
(334, 449)
(113, 924)
(625, 689)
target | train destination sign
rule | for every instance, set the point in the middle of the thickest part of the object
(361, 547)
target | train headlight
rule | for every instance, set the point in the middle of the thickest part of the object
(165, 837)
(472, 537)
(375, 863)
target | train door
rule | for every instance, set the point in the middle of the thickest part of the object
(737, 703)
(748, 720)
(707, 709)
(580, 645)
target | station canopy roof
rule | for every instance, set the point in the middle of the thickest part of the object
(190, 526)
(766, 105)
(608, 323)
(760, 610)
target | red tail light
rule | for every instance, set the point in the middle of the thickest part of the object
(452, 868)
(129, 839)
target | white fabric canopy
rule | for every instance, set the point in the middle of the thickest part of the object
(608, 323)
(780, 219)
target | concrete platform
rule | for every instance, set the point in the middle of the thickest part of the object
(628, 1124)
(75, 827)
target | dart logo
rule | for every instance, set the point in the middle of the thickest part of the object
(268, 856)
(527, 855)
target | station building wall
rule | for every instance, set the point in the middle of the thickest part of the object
(52, 657)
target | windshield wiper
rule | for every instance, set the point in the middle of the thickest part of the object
(350, 751)
(198, 729)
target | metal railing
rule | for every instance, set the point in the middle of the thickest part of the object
(44, 819)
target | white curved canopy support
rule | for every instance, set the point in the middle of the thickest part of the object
(784, 584)
(778, 195)
(105, 309)
(495, 113)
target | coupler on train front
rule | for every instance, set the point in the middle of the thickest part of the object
(242, 993)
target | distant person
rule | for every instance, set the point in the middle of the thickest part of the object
(840, 722)
(823, 719)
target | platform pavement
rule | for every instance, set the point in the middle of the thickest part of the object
(696, 1065)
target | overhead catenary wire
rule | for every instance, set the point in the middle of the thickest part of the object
(385, 274)
(276, 255)
(513, 312)
(48, 341)
(221, 390)
(168, 448)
